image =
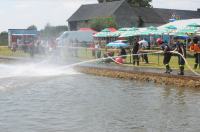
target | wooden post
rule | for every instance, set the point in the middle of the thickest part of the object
(130, 55)
(86, 52)
(158, 59)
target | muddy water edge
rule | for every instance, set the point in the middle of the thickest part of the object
(166, 79)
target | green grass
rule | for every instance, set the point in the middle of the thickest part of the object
(5, 51)
(155, 60)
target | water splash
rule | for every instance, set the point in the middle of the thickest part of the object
(113, 59)
(33, 70)
(43, 68)
(15, 75)
(22, 75)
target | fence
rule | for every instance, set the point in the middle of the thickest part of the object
(155, 59)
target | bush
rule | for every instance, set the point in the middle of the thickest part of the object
(101, 23)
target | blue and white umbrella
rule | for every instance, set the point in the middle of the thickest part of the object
(117, 44)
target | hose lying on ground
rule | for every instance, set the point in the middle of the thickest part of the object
(152, 52)
(158, 52)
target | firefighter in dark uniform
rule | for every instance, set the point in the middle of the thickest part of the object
(195, 47)
(135, 50)
(167, 55)
(180, 48)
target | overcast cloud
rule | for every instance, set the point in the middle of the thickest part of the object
(23, 13)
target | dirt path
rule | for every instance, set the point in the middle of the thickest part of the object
(142, 73)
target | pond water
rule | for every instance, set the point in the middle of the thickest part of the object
(52, 99)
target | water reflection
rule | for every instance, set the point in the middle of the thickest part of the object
(178, 110)
(84, 103)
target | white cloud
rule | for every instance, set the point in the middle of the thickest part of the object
(177, 4)
(22, 5)
(22, 13)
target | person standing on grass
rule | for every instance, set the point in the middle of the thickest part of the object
(144, 45)
(92, 47)
(14, 47)
(195, 47)
(32, 48)
(135, 52)
(180, 48)
(123, 54)
(167, 55)
(98, 51)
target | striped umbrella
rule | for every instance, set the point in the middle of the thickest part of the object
(106, 33)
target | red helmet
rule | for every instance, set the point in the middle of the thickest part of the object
(159, 41)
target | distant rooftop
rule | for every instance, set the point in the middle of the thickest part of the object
(91, 11)
(160, 15)
(23, 31)
(163, 15)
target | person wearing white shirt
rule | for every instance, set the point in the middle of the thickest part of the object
(144, 45)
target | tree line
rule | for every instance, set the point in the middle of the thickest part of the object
(97, 24)
(3, 38)
(46, 33)
(100, 23)
(139, 3)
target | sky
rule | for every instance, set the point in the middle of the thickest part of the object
(23, 13)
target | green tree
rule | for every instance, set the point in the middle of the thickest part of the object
(100, 23)
(52, 31)
(140, 3)
(4, 38)
(101, 1)
(33, 27)
(140, 22)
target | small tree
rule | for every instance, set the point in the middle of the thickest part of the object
(4, 38)
(100, 23)
(101, 1)
(140, 3)
(33, 27)
(52, 31)
(140, 22)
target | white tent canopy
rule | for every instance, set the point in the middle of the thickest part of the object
(72, 36)
(181, 24)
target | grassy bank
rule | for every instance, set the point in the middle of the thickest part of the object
(5, 51)
(170, 80)
(155, 60)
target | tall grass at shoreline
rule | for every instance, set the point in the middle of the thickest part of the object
(155, 60)
(5, 51)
